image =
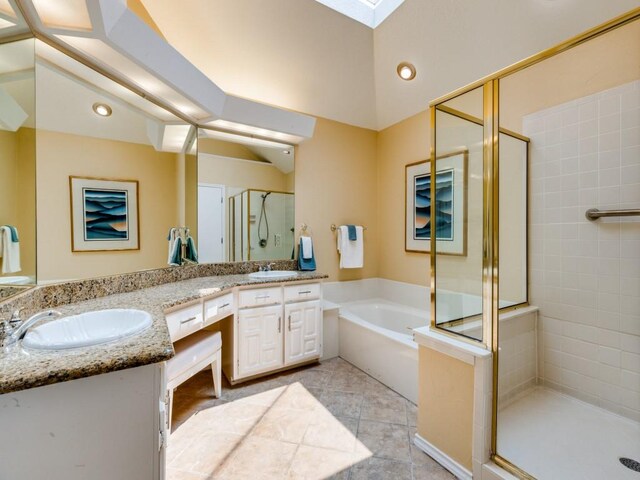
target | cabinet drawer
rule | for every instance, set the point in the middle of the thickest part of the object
(259, 296)
(184, 322)
(298, 293)
(218, 308)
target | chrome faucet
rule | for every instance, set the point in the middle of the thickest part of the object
(266, 268)
(15, 334)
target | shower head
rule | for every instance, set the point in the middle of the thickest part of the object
(265, 195)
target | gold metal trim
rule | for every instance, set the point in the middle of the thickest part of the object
(594, 32)
(432, 254)
(511, 468)
(114, 250)
(465, 218)
(478, 121)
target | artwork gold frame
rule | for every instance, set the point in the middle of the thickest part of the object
(457, 163)
(104, 214)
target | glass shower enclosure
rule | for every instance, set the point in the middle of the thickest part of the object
(519, 160)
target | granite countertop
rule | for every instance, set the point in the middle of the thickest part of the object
(21, 368)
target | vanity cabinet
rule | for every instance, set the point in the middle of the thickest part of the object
(260, 340)
(275, 328)
(303, 331)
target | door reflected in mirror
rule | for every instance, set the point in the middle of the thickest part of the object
(246, 199)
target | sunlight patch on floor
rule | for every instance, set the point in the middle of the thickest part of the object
(284, 430)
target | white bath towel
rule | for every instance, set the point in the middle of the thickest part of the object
(307, 248)
(172, 241)
(351, 251)
(10, 252)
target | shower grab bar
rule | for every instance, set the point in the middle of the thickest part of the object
(594, 214)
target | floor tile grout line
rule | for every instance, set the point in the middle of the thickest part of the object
(322, 389)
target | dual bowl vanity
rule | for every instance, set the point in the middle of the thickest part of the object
(58, 393)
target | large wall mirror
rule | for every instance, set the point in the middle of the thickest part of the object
(17, 167)
(112, 173)
(246, 198)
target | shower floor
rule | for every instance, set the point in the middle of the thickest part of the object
(554, 436)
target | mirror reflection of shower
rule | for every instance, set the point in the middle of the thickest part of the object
(263, 241)
(261, 223)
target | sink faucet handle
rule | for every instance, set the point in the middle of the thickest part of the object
(269, 266)
(16, 317)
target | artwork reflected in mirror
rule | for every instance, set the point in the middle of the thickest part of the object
(17, 167)
(104, 214)
(246, 200)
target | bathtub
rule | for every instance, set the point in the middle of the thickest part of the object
(375, 330)
(376, 336)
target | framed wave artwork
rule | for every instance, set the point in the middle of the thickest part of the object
(450, 223)
(104, 214)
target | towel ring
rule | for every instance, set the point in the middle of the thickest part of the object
(304, 228)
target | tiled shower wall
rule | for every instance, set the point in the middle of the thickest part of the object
(585, 276)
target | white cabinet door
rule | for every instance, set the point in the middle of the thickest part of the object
(303, 336)
(259, 340)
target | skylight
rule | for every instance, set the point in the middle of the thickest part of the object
(370, 12)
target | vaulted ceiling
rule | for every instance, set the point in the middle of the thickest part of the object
(304, 56)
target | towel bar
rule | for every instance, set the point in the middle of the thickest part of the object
(334, 228)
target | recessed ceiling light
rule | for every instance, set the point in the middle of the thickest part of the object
(102, 109)
(406, 71)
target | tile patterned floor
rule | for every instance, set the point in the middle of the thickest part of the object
(327, 421)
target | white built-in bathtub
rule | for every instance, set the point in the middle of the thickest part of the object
(376, 321)
(376, 335)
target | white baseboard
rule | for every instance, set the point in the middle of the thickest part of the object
(442, 458)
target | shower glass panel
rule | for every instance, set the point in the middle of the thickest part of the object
(262, 225)
(457, 196)
(513, 218)
(569, 382)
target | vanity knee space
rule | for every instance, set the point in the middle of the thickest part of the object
(261, 329)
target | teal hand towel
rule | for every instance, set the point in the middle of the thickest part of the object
(309, 264)
(14, 233)
(192, 253)
(353, 235)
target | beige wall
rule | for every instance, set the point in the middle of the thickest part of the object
(61, 155)
(243, 174)
(191, 194)
(397, 146)
(445, 397)
(605, 62)
(336, 182)
(226, 149)
(17, 192)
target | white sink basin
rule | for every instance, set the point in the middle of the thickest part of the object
(91, 328)
(274, 274)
